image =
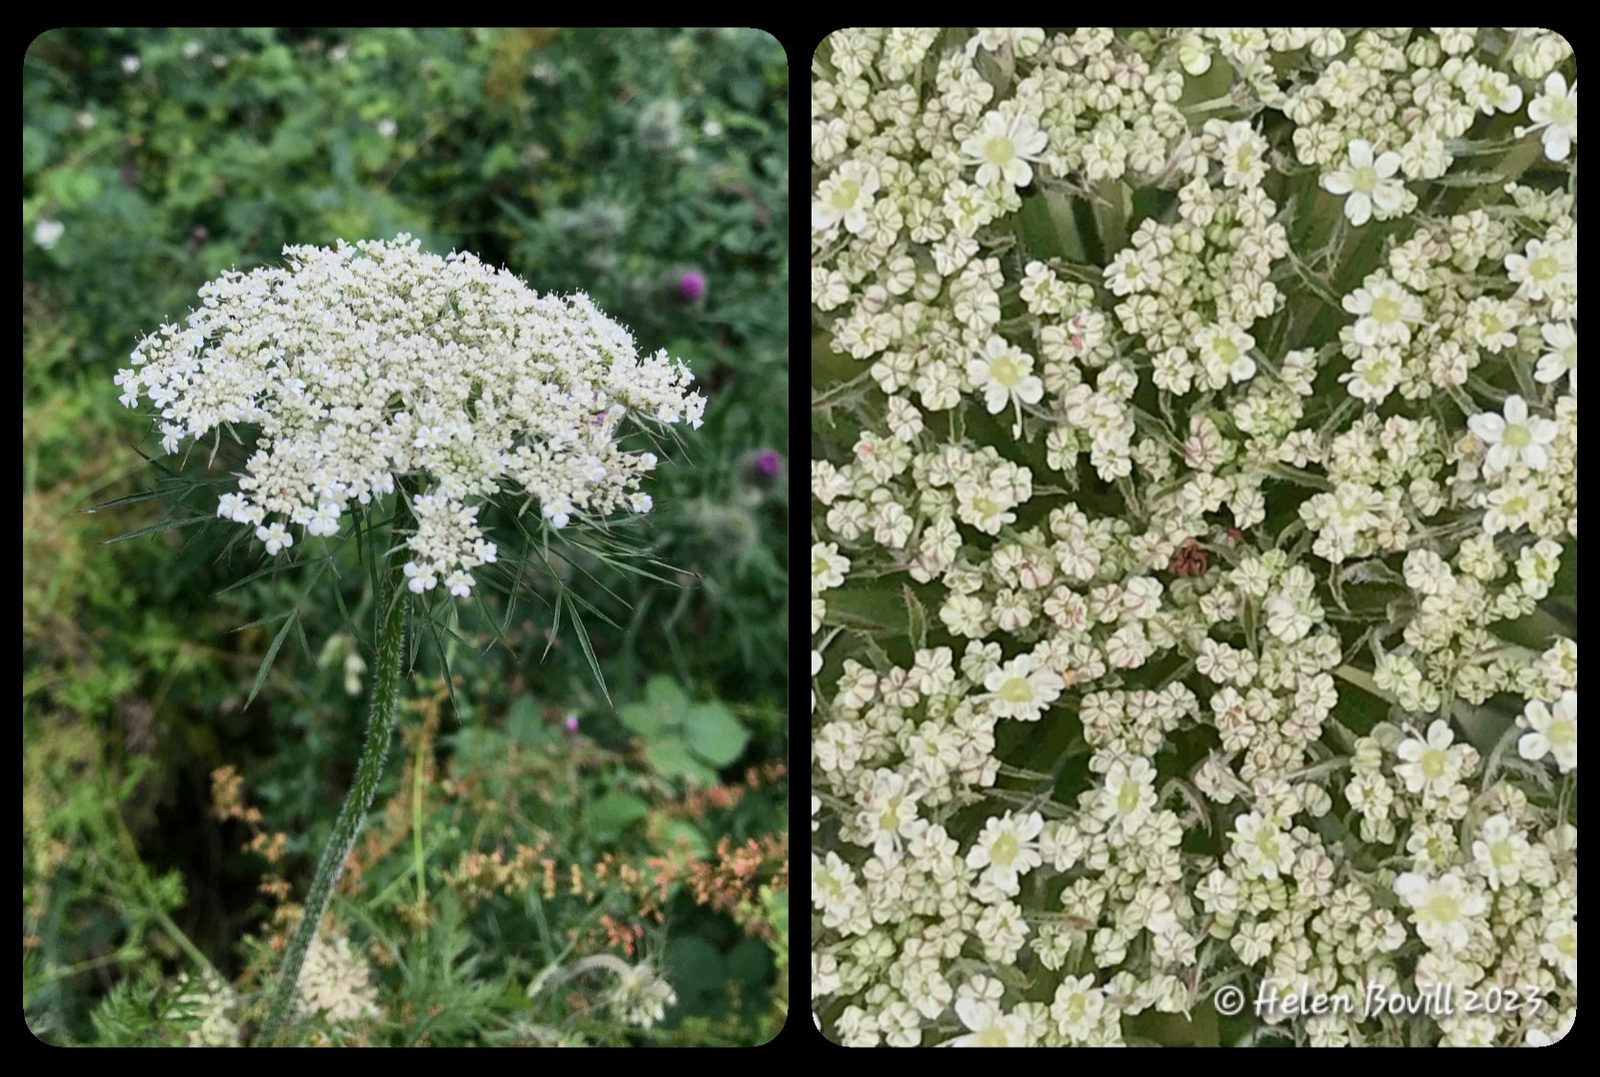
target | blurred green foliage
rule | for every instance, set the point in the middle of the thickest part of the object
(644, 167)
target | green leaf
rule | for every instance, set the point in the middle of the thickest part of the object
(272, 652)
(665, 692)
(642, 719)
(615, 812)
(671, 759)
(714, 734)
(524, 724)
(692, 837)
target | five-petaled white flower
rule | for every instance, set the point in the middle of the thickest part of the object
(1007, 848)
(845, 197)
(1129, 794)
(1369, 183)
(1002, 148)
(991, 1026)
(1555, 113)
(1442, 908)
(1554, 732)
(1225, 349)
(1022, 691)
(1429, 763)
(1004, 374)
(1515, 436)
(1385, 312)
(1562, 358)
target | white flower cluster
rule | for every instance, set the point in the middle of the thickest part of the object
(641, 996)
(335, 982)
(364, 365)
(1194, 467)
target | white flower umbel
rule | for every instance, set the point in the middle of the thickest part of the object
(362, 365)
(1369, 183)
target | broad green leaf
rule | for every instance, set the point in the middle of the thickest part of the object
(714, 734)
(671, 759)
(613, 813)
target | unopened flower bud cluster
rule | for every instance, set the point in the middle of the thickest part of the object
(359, 366)
(1079, 523)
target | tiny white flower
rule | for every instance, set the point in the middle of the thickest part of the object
(47, 233)
(1442, 908)
(1128, 795)
(1194, 55)
(1514, 436)
(1002, 148)
(1386, 313)
(1554, 113)
(420, 578)
(1264, 850)
(1562, 358)
(276, 536)
(1368, 181)
(1429, 764)
(1554, 732)
(990, 1025)
(1004, 374)
(845, 197)
(387, 127)
(1007, 848)
(1022, 691)
(130, 64)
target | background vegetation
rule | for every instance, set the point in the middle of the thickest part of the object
(527, 822)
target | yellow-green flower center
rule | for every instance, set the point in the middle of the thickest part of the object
(1128, 796)
(1544, 268)
(1364, 180)
(1227, 350)
(1385, 310)
(1016, 690)
(1518, 435)
(999, 151)
(1004, 850)
(1005, 370)
(890, 819)
(1562, 733)
(845, 196)
(1443, 908)
(1433, 763)
(993, 1036)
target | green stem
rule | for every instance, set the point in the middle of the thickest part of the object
(380, 728)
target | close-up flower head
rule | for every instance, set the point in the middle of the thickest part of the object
(1194, 536)
(365, 364)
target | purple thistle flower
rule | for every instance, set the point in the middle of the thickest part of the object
(767, 463)
(691, 285)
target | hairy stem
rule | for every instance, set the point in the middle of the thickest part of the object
(380, 728)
